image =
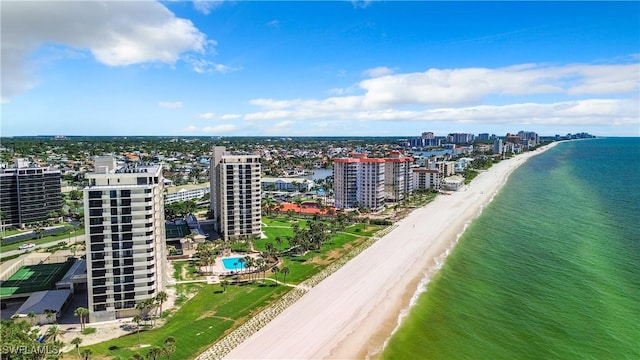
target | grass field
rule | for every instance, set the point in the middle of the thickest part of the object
(303, 267)
(199, 323)
(34, 278)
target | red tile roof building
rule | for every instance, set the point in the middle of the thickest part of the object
(360, 181)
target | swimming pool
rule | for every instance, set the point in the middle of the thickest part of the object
(228, 263)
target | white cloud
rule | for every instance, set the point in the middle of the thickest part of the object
(578, 112)
(206, 116)
(284, 124)
(230, 116)
(213, 116)
(116, 33)
(468, 86)
(361, 3)
(203, 66)
(378, 71)
(219, 129)
(205, 6)
(438, 87)
(458, 95)
(170, 105)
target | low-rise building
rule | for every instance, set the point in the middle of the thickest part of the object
(425, 179)
(185, 192)
(452, 183)
(286, 184)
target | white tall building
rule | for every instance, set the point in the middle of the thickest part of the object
(235, 193)
(359, 182)
(425, 179)
(397, 176)
(345, 182)
(125, 227)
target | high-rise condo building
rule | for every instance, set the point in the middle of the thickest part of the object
(359, 181)
(397, 176)
(497, 146)
(235, 194)
(28, 194)
(460, 138)
(125, 237)
(529, 137)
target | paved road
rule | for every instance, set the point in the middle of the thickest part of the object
(70, 240)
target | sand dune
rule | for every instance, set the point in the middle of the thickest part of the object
(352, 312)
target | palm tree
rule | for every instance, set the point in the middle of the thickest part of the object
(154, 352)
(169, 346)
(224, 284)
(279, 242)
(81, 313)
(250, 263)
(51, 315)
(32, 317)
(86, 353)
(275, 270)
(161, 297)
(145, 308)
(285, 271)
(54, 331)
(242, 264)
(260, 264)
(138, 319)
(77, 341)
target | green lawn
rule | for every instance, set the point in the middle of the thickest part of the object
(61, 236)
(200, 321)
(303, 267)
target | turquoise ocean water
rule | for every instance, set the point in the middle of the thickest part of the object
(550, 270)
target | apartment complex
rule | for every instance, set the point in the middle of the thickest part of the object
(185, 192)
(460, 138)
(397, 176)
(28, 194)
(425, 179)
(125, 227)
(235, 193)
(360, 181)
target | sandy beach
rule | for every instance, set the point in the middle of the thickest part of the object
(352, 312)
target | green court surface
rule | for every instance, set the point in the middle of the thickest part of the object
(34, 278)
(176, 231)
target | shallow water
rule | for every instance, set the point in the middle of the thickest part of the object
(551, 269)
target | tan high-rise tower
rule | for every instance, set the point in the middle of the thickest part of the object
(235, 194)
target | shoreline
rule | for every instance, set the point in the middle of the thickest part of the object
(353, 312)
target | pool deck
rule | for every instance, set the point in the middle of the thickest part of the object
(218, 268)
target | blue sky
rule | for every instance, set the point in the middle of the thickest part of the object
(319, 68)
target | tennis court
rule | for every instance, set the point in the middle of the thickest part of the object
(34, 278)
(176, 231)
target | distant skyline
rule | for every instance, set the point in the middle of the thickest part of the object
(335, 68)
